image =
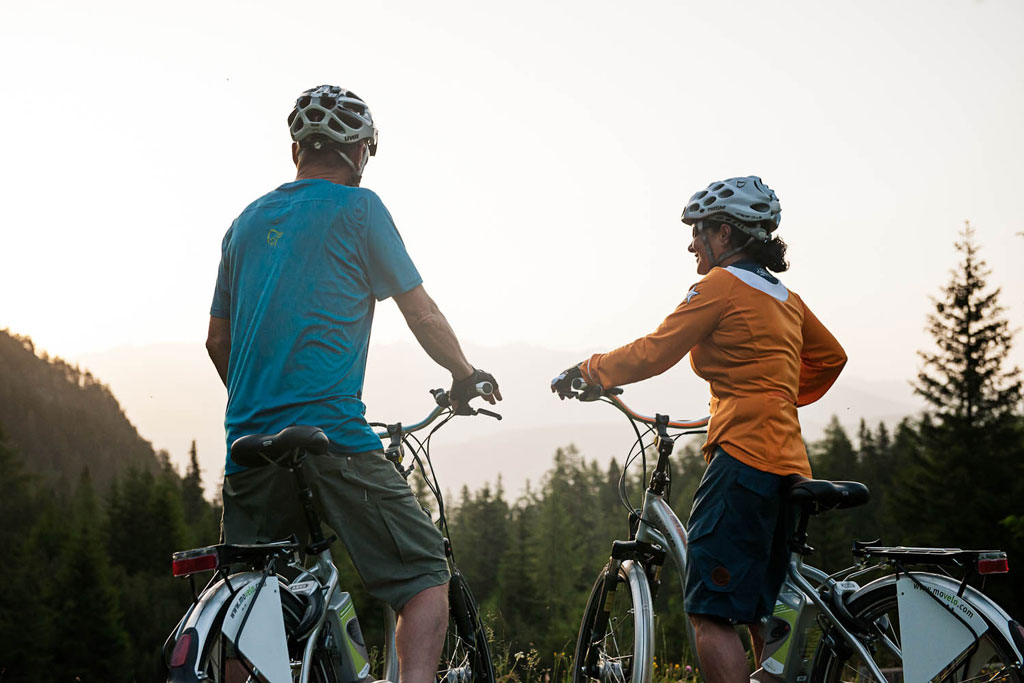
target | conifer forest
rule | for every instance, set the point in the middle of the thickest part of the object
(88, 530)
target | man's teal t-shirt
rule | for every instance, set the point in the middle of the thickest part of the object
(299, 273)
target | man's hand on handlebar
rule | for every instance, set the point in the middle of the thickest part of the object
(480, 383)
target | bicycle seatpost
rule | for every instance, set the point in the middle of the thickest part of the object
(317, 542)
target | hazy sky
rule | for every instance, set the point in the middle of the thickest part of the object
(535, 155)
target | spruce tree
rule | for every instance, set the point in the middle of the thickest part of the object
(24, 621)
(959, 484)
(90, 643)
(834, 457)
(965, 381)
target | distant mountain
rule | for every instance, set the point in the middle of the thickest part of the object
(61, 419)
(173, 394)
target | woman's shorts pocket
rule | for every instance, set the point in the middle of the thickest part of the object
(704, 519)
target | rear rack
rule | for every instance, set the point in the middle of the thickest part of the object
(187, 562)
(978, 561)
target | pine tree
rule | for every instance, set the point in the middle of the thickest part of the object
(963, 478)
(24, 621)
(965, 382)
(830, 533)
(90, 643)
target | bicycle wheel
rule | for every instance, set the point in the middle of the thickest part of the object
(834, 663)
(465, 657)
(616, 642)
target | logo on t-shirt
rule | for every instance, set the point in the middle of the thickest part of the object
(273, 236)
(689, 295)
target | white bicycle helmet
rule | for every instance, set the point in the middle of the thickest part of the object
(748, 200)
(334, 113)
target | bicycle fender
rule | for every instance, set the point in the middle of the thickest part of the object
(213, 613)
(203, 617)
(971, 605)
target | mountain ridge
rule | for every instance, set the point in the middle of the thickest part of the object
(61, 419)
(173, 393)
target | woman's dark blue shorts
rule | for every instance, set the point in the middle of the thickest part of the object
(738, 542)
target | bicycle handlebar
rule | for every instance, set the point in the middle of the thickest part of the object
(612, 394)
(443, 408)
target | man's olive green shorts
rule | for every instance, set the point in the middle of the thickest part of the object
(396, 549)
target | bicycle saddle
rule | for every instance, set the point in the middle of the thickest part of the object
(819, 495)
(257, 450)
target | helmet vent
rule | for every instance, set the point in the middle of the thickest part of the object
(726, 193)
(335, 126)
(760, 207)
(303, 102)
(693, 207)
(709, 201)
(349, 119)
(315, 115)
(718, 187)
(700, 195)
(327, 102)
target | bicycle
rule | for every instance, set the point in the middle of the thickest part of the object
(258, 624)
(905, 625)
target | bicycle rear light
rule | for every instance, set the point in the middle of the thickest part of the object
(1017, 633)
(993, 563)
(191, 561)
(183, 648)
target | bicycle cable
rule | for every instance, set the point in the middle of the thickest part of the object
(630, 459)
(436, 488)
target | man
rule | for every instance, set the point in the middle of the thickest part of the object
(300, 271)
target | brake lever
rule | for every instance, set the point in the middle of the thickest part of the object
(441, 398)
(488, 413)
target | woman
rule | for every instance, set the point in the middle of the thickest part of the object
(763, 354)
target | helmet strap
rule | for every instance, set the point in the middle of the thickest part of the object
(357, 173)
(716, 260)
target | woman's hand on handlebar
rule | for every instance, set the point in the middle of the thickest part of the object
(564, 384)
(570, 384)
(480, 383)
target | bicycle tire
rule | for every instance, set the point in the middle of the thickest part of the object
(625, 649)
(465, 657)
(992, 660)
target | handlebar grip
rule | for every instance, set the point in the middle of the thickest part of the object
(484, 388)
(578, 384)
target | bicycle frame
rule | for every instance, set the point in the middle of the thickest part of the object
(393, 438)
(661, 527)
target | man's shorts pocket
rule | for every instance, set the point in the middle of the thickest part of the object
(411, 530)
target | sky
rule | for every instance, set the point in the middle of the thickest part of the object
(535, 155)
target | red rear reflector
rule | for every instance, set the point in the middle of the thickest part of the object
(993, 563)
(181, 648)
(183, 566)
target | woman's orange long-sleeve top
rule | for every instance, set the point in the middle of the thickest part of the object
(762, 352)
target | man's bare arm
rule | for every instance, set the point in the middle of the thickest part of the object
(433, 332)
(218, 345)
